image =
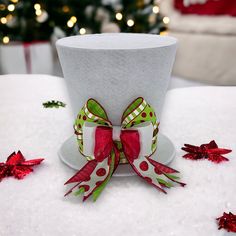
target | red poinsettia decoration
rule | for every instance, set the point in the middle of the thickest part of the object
(228, 222)
(17, 166)
(208, 151)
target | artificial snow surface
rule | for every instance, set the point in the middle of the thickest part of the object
(127, 206)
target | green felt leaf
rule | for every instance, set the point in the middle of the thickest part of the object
(172, 176)
(80, 191)
(98, 191)
(162, 181)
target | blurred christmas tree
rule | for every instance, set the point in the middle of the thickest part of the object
(30, 20)
(138, 16)
(24, 20)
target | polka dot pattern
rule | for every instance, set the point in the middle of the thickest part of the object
(98, 183)
(83, 117)
(148, 172)
(101, 172)
(157, 171)
(149, 180)
(86, 187)
(96, 177)
(143, 166)
(144, 114)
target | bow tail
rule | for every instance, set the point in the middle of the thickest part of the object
(93, 177)
(113, 164)
(82, 175)
(168, 172)
(89, 178)
(155, 173)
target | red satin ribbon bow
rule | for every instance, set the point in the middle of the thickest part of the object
(104, 154)
(104, 144)
(148, 169)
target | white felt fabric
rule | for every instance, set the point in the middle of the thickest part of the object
(89, 138)
(145, 135)
(116, 132)
(128, 206)
(115, 69)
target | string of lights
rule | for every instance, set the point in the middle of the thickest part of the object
(28, 20)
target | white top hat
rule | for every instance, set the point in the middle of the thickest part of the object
(115, 69)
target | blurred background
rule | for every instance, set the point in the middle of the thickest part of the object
(205, 29)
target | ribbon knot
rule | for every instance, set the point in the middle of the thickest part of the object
(105, 142)
(116, 131)
(105, 146)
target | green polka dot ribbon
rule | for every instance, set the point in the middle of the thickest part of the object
(136, 113)
(105, 146)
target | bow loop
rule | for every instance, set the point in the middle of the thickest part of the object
(92, 112)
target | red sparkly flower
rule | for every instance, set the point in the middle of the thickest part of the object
(17, 166)
(208, 151)
(228, 222)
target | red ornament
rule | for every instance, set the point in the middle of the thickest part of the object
(228, 222)
(208, 151)
(17, 166)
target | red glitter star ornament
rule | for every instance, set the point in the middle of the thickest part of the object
(228, 222)
(17, 166)
(208, 151)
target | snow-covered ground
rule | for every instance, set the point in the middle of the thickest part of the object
(128, 206)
